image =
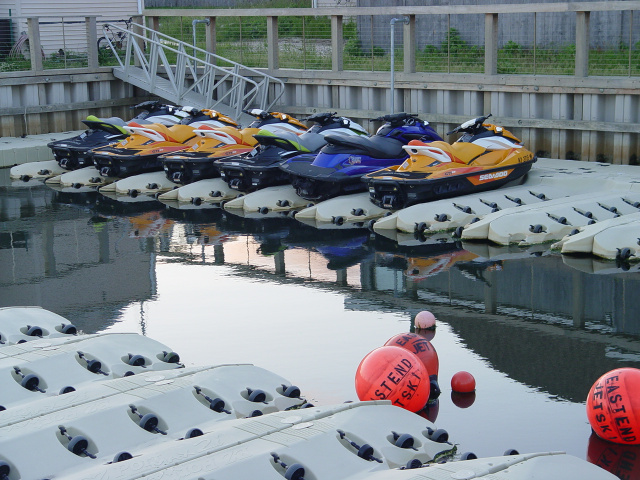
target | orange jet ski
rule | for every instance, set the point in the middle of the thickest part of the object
(485, 157)
(199, 161)
(140, 151)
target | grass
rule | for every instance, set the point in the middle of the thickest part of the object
(62, 59)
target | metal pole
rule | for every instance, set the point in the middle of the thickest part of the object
(193, 30)
(404, 20)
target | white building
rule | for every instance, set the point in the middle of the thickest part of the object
(62, 22)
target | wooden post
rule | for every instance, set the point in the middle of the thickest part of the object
(210, 40)
(35, 47)
(409, 45)
(582, 44)
(154, 23)
(337, 43)
(272, 43)
(491, 43)
(138, 20)
(92, 41)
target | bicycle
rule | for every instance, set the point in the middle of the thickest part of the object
(21, 50)
(113, 39)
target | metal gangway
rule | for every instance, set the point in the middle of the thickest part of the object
(184, 74)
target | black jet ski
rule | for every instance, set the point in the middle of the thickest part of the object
(261, 168)
(73, 153)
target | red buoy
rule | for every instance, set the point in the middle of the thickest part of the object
(613, 406)
(419, 346)
(463, 382)
(393, 373)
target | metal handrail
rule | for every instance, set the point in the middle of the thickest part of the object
(148, 51)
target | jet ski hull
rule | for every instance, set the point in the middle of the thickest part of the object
(317, 183)
(189, 167)
(255, 177)
(395, 190)
(120, 162)
(74, 153)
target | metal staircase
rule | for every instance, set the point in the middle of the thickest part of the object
(187, 75)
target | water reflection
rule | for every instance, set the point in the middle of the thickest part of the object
(538, 329)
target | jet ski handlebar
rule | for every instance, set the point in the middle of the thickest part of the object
(149, 105)
(322, 118)
(470, 126)
(258, 113)
(396, 119)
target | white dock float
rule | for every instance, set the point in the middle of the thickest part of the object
(354, 208)
(210, 190)
(548, 179)
(451, 213)
(23, 324)
(151, 183)
(36, 170)
(83, 177)
(550, 220)
(122, 406)
(557, 198)
(514, 467)
(281, 198)
(617, 237)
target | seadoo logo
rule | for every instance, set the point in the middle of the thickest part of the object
(493, 176)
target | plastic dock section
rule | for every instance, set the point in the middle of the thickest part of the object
(122, 406)
(560, 199)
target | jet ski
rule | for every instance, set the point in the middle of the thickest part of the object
(485, 157)
(139, 152)
(198, 161)
(73, 153)
(339, 166)
(261, 168)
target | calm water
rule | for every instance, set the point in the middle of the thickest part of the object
(535, 330)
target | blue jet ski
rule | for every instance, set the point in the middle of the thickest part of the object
(338, 167)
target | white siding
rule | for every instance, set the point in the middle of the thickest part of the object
(70, 35)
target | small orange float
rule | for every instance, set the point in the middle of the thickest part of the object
(463, 382)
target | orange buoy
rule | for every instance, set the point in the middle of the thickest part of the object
(463, 382)
(425, 320)
(396, 374)
(419, 346)
(613, 406)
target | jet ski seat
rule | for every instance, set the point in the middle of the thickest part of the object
(376, 147)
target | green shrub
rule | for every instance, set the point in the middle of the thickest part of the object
(353, 48)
